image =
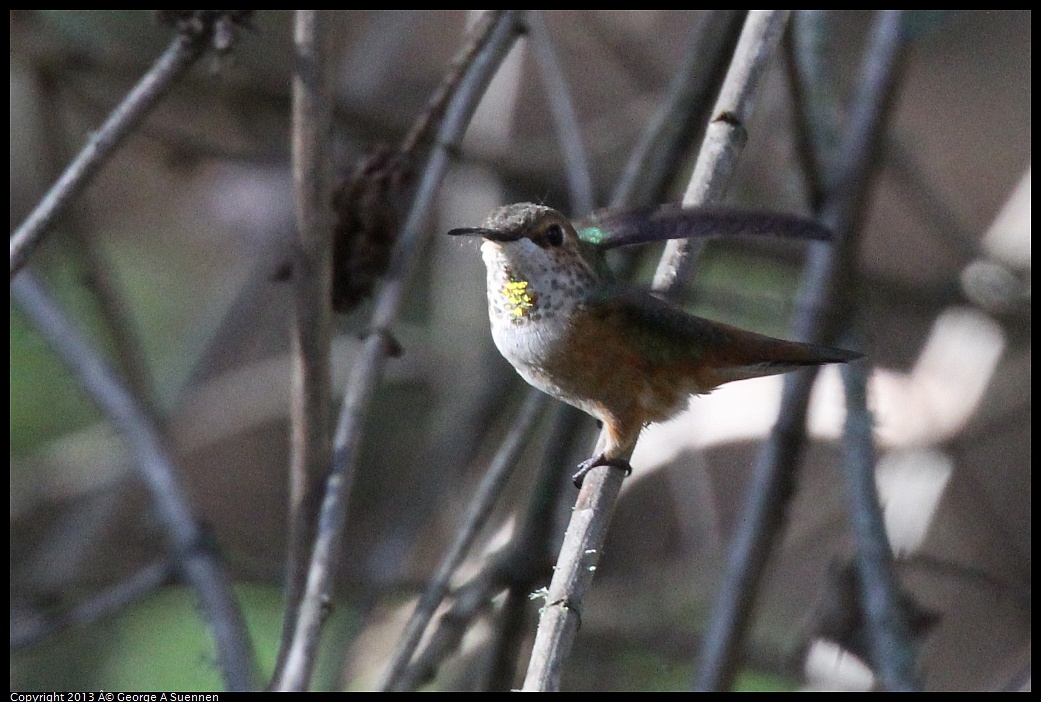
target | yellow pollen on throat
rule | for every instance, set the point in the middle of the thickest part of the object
(519, 300)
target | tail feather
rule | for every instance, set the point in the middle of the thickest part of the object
(767, 356)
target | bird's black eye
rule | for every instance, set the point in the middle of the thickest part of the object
(554, 235)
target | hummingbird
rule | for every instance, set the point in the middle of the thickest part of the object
(618, 353)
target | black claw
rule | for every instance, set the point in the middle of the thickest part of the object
(601, 460)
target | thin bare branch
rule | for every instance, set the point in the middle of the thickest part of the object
(196, 560)
(168, 68)
(888, 637)
(311, 401)
(580, 551)
(517, 567)
(99, 279)
(508, 638)
(371, 200)
(915, 184)
(657, 153)
(827, 273)
(562, 111)
(109, 601)
(468, 602)
(726, 135)
(378, 346)
(815, 99)
(475, 518)
(424, 129)
(572, 575)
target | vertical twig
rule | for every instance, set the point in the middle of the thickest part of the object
(572, 575)
(656, 155)
(99, 278)
(580, 551)
(168, 68)
(814, 98)
(888, 638)
(310, 409)
(195, 559)
(562, 111)
(726, 135)
(369, 366)
(499, 470)
(826, 274)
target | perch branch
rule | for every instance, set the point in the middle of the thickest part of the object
(581, 549)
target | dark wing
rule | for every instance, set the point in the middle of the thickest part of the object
(611, 228)
(669, 335)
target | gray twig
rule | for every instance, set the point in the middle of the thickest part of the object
(580, 551)
(572, 575)
(562, 111)
(657, 153)
(825, 278)
(888, 637)
(168, 68)
(99, 279)
(725, 137)
(468, 602)
(470, 525)
(815, 100)
(311, 403)
(108, 601)
(368, 369)
(196, 560)
(931, 206)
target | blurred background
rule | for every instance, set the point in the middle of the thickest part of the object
(171, 261)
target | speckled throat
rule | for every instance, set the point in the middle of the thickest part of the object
(532, 294)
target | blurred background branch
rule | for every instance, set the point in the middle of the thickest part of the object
(196, 561)
(378, 346)
(824, 300)
(195, 35)
(311, 273)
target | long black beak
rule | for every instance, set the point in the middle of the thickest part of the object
(489, 234)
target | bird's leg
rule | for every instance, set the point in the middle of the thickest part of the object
(600, 460)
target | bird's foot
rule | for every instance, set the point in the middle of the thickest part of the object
(597, 461)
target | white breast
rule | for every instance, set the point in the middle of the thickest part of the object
(529, 302)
